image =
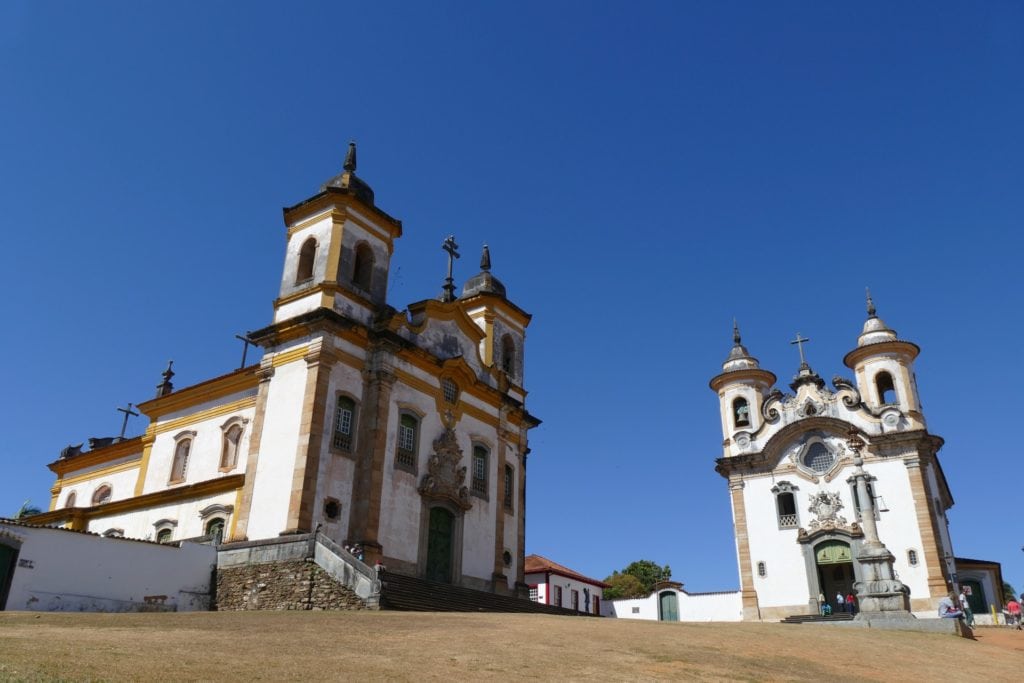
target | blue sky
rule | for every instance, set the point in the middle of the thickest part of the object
(642, 173)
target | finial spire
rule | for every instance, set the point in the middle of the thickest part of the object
(485, 259)
(871, 304)
(448, 290)
(735, 332)
(166, 387)
(350, 158)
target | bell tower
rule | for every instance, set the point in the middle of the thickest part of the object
(884, 371)
(338, 251)
(742, 388)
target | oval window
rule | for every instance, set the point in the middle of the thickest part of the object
(818, 457)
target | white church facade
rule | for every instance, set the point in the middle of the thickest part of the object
(403, 432)
(791, 462)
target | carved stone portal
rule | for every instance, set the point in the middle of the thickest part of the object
(446, 475)
(825, 507)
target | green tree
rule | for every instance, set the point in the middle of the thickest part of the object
(1008, 591)
(636, 580)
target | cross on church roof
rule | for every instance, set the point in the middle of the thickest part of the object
(800, 341)
(127, 412)
(448, 291)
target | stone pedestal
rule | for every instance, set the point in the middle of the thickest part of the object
(879, 592)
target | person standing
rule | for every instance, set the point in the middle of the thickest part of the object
(1013, 613)
(821, 603)
(966, 607)
(850, 603)
(839, 601)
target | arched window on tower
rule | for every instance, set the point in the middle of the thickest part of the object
(508, 355)
(886, 388)
(179, 468)
(362, 270)
(102, 495)
(741, 413)
(229, 449)
(69, 502)
(307, 257)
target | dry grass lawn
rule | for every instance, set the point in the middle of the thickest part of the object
(312, 646)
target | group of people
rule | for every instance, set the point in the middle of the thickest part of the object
(955, 606)
(846, 604)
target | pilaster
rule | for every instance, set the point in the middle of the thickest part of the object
(371, 451)
(265, 374)
(926, 523)
(499, 579)
(748, 596)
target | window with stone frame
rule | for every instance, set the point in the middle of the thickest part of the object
(912, 557)
(307, 259)
(785, 505)
(229, 449)
(558, 596)
(102, 495)
(575, 596)
(215, 528)
(450, 390)
(510, 476)
(179, 467)
(344, 424)
(114, 533)
(407, 442)
(164, 535)
(762, 569)
(886, 388)
(69, 502)
(478, 484)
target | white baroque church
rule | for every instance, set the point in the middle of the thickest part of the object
(791, 461)
(405, 432)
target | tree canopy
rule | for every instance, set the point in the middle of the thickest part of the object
(636, 580)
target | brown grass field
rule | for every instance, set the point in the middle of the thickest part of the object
(313, 646)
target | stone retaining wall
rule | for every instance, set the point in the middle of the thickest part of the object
(285, 585)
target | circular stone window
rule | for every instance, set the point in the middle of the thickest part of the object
(819, 458)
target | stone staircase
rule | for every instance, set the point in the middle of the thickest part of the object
(817, 618)
(410, 594)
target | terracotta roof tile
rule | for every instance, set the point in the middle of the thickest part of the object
(539, 563)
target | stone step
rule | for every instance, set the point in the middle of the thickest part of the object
(812, 618)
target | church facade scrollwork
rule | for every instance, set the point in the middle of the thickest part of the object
(446, 475)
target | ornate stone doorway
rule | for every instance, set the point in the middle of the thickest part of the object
(440, 534)
(834, 562)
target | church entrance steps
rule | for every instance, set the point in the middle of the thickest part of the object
(411, 594)
(817, 618)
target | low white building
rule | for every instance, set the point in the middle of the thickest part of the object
(669, 602)
(554, 584)
(46, 569)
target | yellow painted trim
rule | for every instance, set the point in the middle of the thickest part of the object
(334, 252)
(97, 457)
(219, 387)
(102, 472)
(147, 450)
(368, 226)
(290, 356)
(327, 213)
(209, 413)
(238, 509)
(165, 497)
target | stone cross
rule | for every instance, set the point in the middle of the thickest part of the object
(127, 412)
(448, 291)
(800, 341)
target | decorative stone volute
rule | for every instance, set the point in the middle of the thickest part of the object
(446, 476)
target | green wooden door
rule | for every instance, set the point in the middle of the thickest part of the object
(976, 599)
(669, 606)
(7, 555)
(439, 545)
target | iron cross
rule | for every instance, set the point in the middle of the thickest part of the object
(127, 411)
(800, 341)
(451, 247)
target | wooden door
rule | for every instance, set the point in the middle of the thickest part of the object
(439, 545)
(669, 606)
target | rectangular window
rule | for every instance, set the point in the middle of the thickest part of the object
(576, 600)
(510, 475)
(405, 455)
(479, 483)
(558, 596)
(534, 593)
(343, 418)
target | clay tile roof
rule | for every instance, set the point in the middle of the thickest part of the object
(539, 563)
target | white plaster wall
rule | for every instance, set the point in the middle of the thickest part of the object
(139, 524)
(122, 486)
(479, 521)
(297, 307)
(109, 574)
(786, 582)
(726, 606)
(207, 447)
(634, 608)
(568, 585)
(276, 464)
(511, 519)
